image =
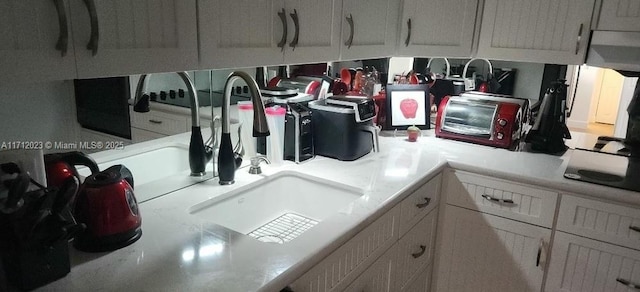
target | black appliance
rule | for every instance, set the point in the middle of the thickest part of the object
(338, 134)
(102, 105)
(107, 205)
(612, 161)
(298, 133)
(550, 129)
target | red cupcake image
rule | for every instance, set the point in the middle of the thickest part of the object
(409, 108)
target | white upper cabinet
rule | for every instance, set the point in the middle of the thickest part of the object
(314, 31)
(620, 15)
(249, 33)
(241, 33)
(35, 41)
(437, 28)
(548, 31)
(123, 37)
(369, 28)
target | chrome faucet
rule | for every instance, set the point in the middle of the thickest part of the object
(226, 159)
(198, 154)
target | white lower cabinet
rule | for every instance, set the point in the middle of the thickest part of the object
(421, 283)
(482, 252)
(415, 251)
(582, 264)
(379, 276)
(378, 259)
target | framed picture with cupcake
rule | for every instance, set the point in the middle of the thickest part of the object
(407, 105)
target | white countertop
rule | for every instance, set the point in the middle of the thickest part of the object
(180, 252)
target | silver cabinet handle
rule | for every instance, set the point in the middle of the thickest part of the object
(579, 38)
(423, 248)
(63, 36)
(628, 283)
(283, 17)
(294, 16)
(406, 42)
(500, 201)
(155, 122)
(349, 42)
(634, 228)
(95, 30)
(426, 203)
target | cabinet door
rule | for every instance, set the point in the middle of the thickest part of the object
(620, 15)
(134, 36)
(374, 25)
(581, 264)
(241, 33)
(439, 28)
(480, 252)
(546, 31)
(415, 251)
(377, 277)
(316, 37)
(29, 34)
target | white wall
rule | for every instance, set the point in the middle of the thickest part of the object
(584, 107)
(38, 111)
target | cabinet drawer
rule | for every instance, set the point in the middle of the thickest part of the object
(342, 266)
(529, 204)
(419, 204)
(378, 277)
(598, 220)
(159, 122)
(582, 264)
(415, 250)
(420, 283)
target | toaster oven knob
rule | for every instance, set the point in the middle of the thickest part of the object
(502, 122)
(500, 135)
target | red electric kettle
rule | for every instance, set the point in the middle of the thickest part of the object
(107, 206)
(61, 166)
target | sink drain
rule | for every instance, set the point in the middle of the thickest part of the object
(283, 229)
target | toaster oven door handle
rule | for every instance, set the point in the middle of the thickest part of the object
(374, 136)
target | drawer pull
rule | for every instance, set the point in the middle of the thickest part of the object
(155, 122)
(500, 201)
(426, 203)
(423, 248)
(634, 228)
(539, 255)
(628, 283)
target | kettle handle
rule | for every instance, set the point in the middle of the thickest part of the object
(121, 172)
(80, 158)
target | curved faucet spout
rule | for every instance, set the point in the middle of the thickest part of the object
(226, 161)
(197, 151)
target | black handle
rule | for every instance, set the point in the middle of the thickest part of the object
(18, 187)
(538, 256)
(80, 158)
(63, 36)
(406, 42)
(95, 31)
(423, 248)
(283, 17)
(634, 228)
(500, 201)
(65, 195)
(349, 42)
(628, 283)
(294, 16)
(155, 121)
(426, 203)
